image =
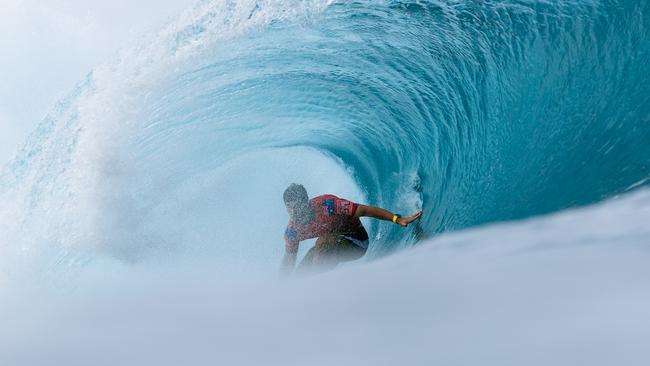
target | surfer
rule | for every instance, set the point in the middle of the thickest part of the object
(335, 222)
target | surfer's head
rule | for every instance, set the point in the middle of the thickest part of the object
(297, 202)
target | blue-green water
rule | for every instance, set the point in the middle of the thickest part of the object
(472, 111)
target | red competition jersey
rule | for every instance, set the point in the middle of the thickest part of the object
(333, 215)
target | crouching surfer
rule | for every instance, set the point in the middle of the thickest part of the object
(335, 222)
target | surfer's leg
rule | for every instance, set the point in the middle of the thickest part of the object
(329, 251)
(346, 250)
(319, 256)
(324, 252)
(308, 260)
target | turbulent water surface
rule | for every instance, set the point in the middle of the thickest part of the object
(142, 221)
(472, 111)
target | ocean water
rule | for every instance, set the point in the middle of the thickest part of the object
(172, 158)
(474, 112)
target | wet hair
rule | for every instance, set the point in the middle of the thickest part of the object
(295, 193)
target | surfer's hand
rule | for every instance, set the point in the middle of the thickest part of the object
(405, 221)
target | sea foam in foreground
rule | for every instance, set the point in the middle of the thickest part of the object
(566, 289)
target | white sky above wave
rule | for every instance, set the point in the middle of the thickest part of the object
(47, 47)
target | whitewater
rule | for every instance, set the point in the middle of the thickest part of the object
(142, 221)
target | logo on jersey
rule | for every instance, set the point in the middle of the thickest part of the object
(328, 206)
(344, 207)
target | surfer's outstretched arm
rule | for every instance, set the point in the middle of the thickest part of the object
(380, 213)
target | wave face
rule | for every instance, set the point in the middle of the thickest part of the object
(475, 112)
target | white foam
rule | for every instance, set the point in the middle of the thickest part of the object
(565, 289)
